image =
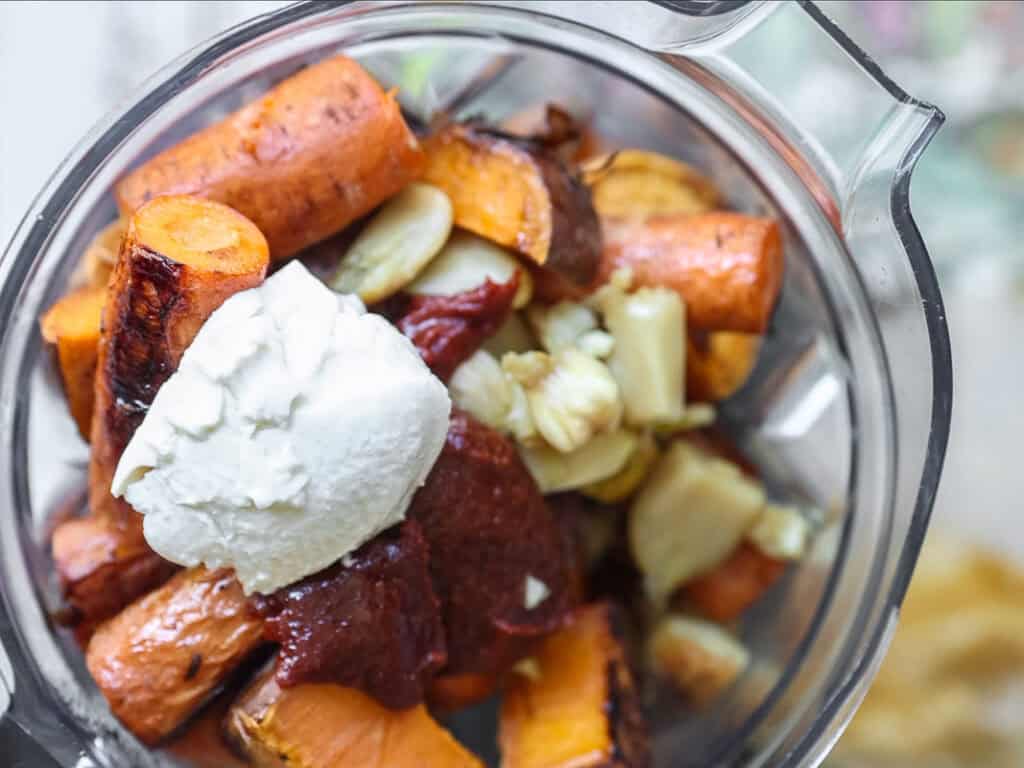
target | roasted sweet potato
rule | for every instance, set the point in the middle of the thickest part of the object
(73, 325)
(727, 267)
(450, 693)
(582, 709)
(717, 364)
(490, 533)
(371, 622)
(725, 592)
(180, 259)
(635, 182)
(319, 725)
(318, 151)
(519, 194)
(160, 659)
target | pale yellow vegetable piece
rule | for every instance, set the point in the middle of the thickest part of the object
(600, 457)
(781, 532)
(699, 657)
(480, 386)
(690, 515)
(624, 483)
(649, 328)
(694, 416)
(561, 325)
(635, 182)
(597, 343)
(465, 262)
(513, 336)
(572, 396)
(398, 243)
(519, 421)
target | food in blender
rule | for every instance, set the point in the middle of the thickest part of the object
(458, 445)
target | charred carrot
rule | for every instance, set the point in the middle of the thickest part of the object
(728, 590)
(318, 151)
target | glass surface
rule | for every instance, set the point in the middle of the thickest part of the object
(848, 409)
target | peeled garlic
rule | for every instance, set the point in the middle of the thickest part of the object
(781, 532)
(396, 245)
(699, 657)
(647, 362)
(465, 262)
(689, 516)
(480, 387)
(561, 325)
(601, 457)
(572, 396)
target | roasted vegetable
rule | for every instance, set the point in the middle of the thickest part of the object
(489, 532)
(689, 516)
(465, 263)
(599, 459)
(328, 726)
(726, 267)
(73, 325)
(638, 183)
(98, 259)
(450, 693)
(725, 592)
(580, 708)
(717, 364)
(518, 194)
(561, 325)
(447, 330)
(648, 359)
(159, 659)
(318, 151)
(571, 395)
(700, 658)
(370, 622)
(397, 244)
(629, 477)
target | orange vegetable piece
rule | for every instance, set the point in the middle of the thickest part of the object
(718, 364)
(321, 725)
(725, 592)
(582, 711)
(73, 325)
(450, 693)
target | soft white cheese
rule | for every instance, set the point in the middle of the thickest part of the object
(296, 428)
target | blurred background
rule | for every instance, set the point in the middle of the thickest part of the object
(951, 692)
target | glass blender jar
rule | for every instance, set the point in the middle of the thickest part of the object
(847, 411)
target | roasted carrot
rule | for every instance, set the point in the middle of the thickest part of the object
(725, 592)
(519, 194)
(318, 151)
(73, 325)
(320, 725)
(161, 658)
(718, 364)
(180, 259)
(581, 709)
(727, 267)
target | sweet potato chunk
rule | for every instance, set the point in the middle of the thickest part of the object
(734, 585)
(159, 659)
(717, 364)
(582, 710)
(519, 194)
(319, 725)
(73, 324)
(318, 151)
(727, 267)
(371, 622)
(490, 533)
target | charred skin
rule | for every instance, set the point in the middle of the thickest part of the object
(319, 725)
(163, 656)
(582, 710)
(318, 151)
(180, 259)
(489, 528)
(520, 194)
(371, 622)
